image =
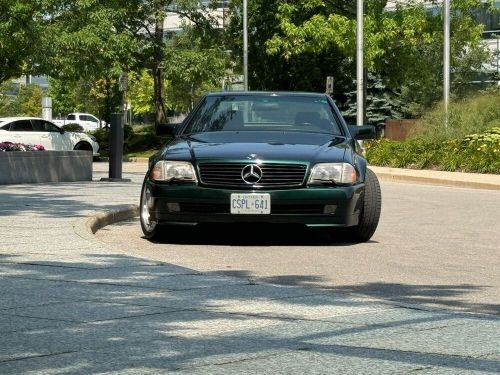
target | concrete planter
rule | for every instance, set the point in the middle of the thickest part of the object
(20, 167)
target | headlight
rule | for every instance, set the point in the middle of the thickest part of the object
(173, 171)
(338, 173)
(93, 138)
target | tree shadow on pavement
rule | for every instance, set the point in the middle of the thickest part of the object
(63, 199)
(124, 315)
(252, 234)
(425, 296)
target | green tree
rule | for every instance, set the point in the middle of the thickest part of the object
(29, 101)
(141, 93)
(193, 66)
(382, 102)
(403, 46)
(101, 39)
(305, 70)
(20, 22)
(96, 96)
(5, 105)
(6, 101)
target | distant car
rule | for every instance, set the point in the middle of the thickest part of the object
(37, 131)
(260, 157)
(86, 120)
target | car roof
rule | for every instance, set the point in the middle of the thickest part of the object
(8, 119)
(267, 93)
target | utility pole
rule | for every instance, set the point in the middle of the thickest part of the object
(359, 64)
(446, 64)
(245, 45)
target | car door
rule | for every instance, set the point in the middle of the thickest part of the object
(89, 122)
(21, 131)
(51, 136)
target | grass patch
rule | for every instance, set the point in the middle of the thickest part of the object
(474, 153)
(470, 143)
(139, 141)
(467, 116)
(143, 154)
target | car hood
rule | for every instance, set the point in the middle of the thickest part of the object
(241, 146)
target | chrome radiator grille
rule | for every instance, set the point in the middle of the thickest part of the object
(271, 175)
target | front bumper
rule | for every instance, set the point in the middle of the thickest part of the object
(313, 206)
(95, 149)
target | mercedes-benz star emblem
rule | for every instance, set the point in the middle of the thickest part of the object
(251, 174)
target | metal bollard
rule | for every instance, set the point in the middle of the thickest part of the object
(116, 149)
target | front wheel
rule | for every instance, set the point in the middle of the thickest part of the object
(148, 225)
(370, 212)
(83, 146)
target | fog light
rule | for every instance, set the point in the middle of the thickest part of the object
(329, 209)
(174, 207)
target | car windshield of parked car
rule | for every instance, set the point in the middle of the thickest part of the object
(264, 113)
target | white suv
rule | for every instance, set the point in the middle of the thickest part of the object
(37, 131)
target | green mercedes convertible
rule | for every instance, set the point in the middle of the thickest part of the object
(262, 157)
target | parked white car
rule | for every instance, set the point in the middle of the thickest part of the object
(87, 121)
(37, 131)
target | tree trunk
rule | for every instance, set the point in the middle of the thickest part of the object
(158, 95)
(160, 111)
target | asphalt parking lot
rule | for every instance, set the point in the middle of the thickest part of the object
(435, 247)
(70, 303)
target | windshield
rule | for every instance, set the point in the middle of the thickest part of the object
(264, 113)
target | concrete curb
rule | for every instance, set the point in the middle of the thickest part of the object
(440, 178)
(138, 160)
(87, 227)
(100, 220)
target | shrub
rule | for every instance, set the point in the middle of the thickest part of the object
(134, 141)
(467, 116)
(471, 142)
(10, 146)
(73, 128)
(479, 152)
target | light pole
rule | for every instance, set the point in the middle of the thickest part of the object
(446, 63)
(245, 45)
(359, 64)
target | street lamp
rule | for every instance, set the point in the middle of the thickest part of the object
(245, 45)
(359, 64)
(446, 63)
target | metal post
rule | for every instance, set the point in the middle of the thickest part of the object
(359, 64)
(47, 108)
(115, 149)
(123, 87)
(329, 85)
(116, 145)
(498, 61)
(245, 45)
(446, 63)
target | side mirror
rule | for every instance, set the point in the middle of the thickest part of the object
(166, 129)
(362, 132)
(62, 131)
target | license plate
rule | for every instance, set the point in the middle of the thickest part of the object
(256, 204)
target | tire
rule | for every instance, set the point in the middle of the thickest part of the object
(83, 146)
(370, 212)
(149, 227)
